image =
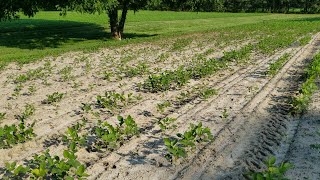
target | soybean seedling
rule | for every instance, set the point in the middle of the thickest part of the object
(32, 89)
(45, 166)
(165, 123)
(225, 114)
(17, 90)
(2, 116)
(86, 107)
(272, 171)
(178, 147)
(162, 106)
(207, 93)
(53, 98)
(110, 136)
(66, 73)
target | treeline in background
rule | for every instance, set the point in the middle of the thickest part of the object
(273, 6)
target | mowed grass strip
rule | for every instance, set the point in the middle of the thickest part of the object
(48, 34)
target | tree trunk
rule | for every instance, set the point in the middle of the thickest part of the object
(114, 26)
(123, 16)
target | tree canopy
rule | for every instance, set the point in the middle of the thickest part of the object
(9, 9)
(278, 6)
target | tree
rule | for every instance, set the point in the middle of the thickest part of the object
(9, 9)
(111, 7)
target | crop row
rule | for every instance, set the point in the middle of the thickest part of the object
(202, 68)
(301, 101)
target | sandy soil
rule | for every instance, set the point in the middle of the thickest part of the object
(255, 127)
(305, 158)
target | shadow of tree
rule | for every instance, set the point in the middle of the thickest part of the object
(42, 34)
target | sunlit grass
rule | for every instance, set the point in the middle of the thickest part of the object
(47, 33)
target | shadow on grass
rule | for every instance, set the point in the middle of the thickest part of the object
(41, 34)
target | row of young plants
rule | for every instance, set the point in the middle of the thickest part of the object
(278, 64)
(46, 166)
(23, 131)
(200, 68)
(15, 134)
(301, 101)
(103, 136)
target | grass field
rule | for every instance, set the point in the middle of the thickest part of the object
(48, 33)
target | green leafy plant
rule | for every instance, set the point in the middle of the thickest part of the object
(86, 107)
(304, 40)
(140, 69)
(278, 64)
(39, 73)
(46, 166)
(207, 93)
(165, 123)
(225, 114)
(107, 75)
(113, 100)
(53, 98)
(162, 106)
(17, 90)
(66, 73)
(111, 136)
(188, 140)
(200, 68)
(72, 135)
(272, 172)
(32, 89)
(12, 171)
(2, 116)
(301, 101)
(131, 128)
(175, 150)
(14, 134)
(238, 55)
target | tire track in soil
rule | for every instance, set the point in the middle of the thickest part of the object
(257, 131)
(228, 83)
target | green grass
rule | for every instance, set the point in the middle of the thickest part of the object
(48, 34)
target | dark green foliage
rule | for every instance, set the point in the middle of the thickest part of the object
(72, 135)
(178, 147)
(113, 100)
(110, 136)
(275, 6)
(46, 166)
(14, 134)
(54, 98)
(272, 172)
(9, 9)
(165, 123)
(301, 101)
